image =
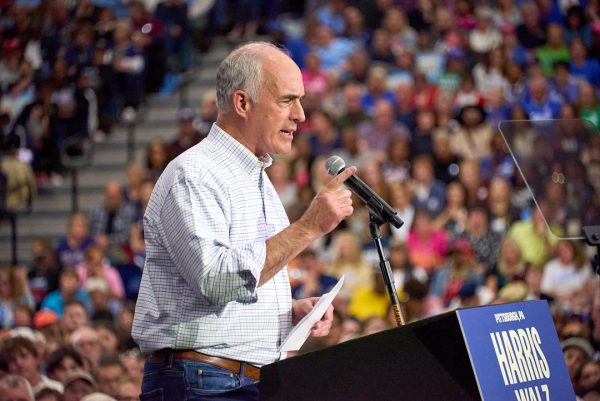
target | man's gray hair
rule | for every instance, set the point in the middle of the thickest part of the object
(241, 70)
(15, 381)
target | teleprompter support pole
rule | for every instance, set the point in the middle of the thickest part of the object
(386, 270)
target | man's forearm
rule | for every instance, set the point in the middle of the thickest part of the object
(284, 247)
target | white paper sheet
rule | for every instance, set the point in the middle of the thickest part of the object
(301, 331)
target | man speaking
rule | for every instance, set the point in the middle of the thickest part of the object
(215, 301)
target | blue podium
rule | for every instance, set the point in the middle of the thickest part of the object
(506, 352)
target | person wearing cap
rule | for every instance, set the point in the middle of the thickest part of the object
(215, 296)
(78, 384)
(187, 135)
(576, 351)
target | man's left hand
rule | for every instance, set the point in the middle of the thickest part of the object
(301, 307)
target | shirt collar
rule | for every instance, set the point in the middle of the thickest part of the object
(247, 160)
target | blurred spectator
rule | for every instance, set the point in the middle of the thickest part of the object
(511, 266)
(581, 66)
(567, 274)
(62, 362)
(136, 235)
(129, 389)
(16, 387)
(427, 245)
(485, 242)
(469, 175)
(356, 69)
(484, 37)
(576, 25)
(370, 301)
(133, 360)
(400, 200)
(44, 270)
(402, 36)
(333, 51)
(589, 378)
(156, 158)
(445, 161)
(402, 270)
(129, 64)
(207, 114)
(86, 342)
(536, 242)
(565, 84)
(95, 265)
(110, 371)
(576, 351)
(461, 268)
(111, 220)
(355, 28)
(14, 290)
(173, 14)
(453, 218)
(69, 288)
(396, 167)
(78, 384)
(380, 49)
(347, 260)
(313, 77)
(20, 182)
(308, 279)
(502, 212)
(25, 360)
(532, 32)
(588, 105)
(377, 134)
(489, 73)
(539, 103)
(71, 248)
(507, 13)
(324, 138)
(107, 336)
(414, 300)
(555, 49)
(187, 135)
(75, 315)
(135, 178)
(422, 140)
(353, 113)
(427, 191)
(279, 174)
(376, 91)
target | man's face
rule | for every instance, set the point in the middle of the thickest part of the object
(272, 120)
(74, 317)
(22, 362)
(108, 378)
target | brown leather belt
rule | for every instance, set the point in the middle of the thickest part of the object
(232, 365)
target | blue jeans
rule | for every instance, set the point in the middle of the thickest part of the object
(185, 380)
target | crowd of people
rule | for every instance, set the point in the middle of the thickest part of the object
(409, 92)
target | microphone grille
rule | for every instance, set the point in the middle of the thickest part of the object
(335, 165)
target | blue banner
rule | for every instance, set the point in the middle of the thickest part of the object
(515, 352)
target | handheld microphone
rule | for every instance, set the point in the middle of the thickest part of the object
(378, 208)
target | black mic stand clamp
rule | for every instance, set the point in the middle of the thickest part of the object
(386, 270)
(592, 237)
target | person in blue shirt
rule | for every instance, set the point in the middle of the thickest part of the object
(70, 288)
(581, 66)
(538, 102)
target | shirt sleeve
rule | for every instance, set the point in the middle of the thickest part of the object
(195, 222)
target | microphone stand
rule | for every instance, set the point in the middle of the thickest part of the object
(386, 270)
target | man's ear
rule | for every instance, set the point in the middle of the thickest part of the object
(241, 103)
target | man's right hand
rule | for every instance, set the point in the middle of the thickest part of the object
(330, 206)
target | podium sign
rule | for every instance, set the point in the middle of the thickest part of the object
(515, 353)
